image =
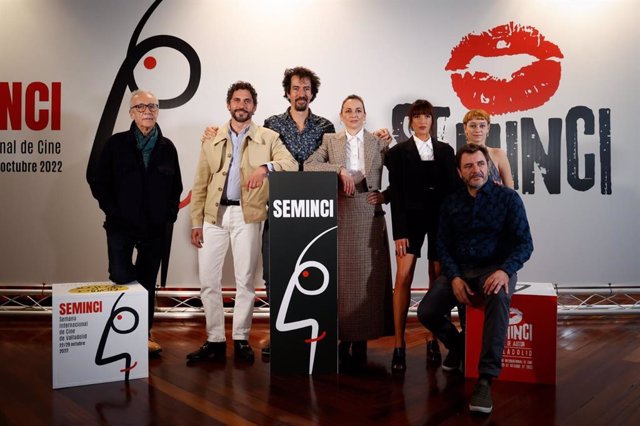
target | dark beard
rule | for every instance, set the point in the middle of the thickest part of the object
(301, 108)
(241, 119)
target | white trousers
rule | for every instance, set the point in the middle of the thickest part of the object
(245, 246)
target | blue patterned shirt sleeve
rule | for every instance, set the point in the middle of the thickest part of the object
(490, 229)
(300, 144)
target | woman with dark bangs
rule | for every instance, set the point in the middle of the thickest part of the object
(422, 171)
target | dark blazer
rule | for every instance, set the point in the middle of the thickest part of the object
(403, 162)
(135, 199)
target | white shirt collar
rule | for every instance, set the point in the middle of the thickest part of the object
(425, 148)
(358, 136)
(417, 139)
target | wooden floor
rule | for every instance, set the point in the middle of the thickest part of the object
(598, 384)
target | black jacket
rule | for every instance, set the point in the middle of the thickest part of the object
(135, 199)
(403, 162)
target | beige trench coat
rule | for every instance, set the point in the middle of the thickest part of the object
(259, 147)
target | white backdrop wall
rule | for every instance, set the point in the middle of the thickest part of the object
(388, 52)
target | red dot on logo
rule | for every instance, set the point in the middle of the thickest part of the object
(305, 274)
(119, 317)
(150, 62)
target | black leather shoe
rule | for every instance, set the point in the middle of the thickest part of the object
(266, 350)
(399, 362)
(209, 351)
(344, 348)
(433, 352)
(242, 351)
(359, 351)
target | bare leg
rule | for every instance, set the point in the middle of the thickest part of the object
(406, 266)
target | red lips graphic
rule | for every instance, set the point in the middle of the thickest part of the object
(529, 87)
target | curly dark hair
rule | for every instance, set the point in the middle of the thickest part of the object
(242, 85)
(301, 72)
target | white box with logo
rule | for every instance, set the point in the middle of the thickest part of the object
(99, 333)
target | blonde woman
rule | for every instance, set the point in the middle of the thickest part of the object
(476, 124)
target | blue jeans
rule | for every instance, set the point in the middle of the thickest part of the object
(439, 301)
(122, 270)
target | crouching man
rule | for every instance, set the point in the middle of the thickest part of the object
(484, 239)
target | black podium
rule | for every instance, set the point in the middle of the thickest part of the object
(303, 237)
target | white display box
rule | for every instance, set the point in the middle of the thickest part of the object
(99, 333)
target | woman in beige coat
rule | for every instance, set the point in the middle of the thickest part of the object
(365, 301)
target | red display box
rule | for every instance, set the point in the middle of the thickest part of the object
(530, 350)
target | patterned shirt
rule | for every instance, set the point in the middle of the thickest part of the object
(300, 144)
(488, 229)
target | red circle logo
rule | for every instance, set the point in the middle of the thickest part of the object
(150, 62)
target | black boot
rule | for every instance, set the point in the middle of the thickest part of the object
(359, 351)
(343, 351)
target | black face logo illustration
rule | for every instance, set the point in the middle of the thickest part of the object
(113, 323)
(302, 270)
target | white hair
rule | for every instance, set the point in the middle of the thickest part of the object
(141, 92)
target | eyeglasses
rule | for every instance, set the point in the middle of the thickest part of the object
(142, 107)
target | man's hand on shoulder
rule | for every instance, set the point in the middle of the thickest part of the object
(209, 133)
(384, 135)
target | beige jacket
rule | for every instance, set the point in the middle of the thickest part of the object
(331, 156)
(259, 147)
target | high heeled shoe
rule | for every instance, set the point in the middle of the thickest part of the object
(433, 352)
(399, 362)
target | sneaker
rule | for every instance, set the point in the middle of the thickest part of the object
(452, 362)
(154, 347)
(480, 401)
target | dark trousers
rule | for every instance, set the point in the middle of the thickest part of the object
(439, 301)
(122, 270)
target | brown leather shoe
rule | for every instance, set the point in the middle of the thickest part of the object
(154, 347)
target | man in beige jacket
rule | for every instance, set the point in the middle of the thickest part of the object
(228, 204)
